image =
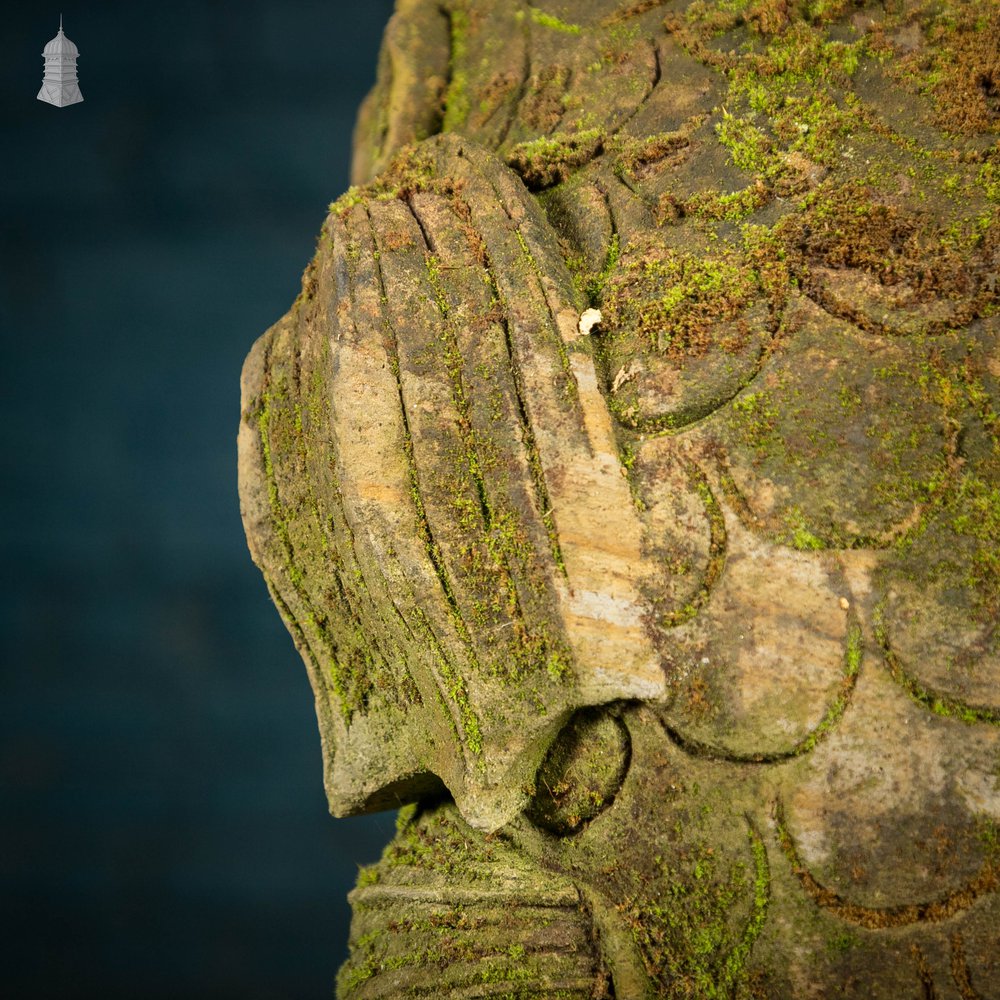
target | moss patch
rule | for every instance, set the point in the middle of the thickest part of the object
(582, 772)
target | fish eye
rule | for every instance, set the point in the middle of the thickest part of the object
(582, 772)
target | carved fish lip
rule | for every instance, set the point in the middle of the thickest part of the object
(436, 337)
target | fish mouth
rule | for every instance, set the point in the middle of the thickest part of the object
(428, 474)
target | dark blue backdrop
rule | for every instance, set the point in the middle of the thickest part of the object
(163, 829)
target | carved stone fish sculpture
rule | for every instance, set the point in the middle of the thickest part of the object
(675, 632)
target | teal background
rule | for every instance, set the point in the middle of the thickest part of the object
(163, 830)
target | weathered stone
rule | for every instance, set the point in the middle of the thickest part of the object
(681, 633)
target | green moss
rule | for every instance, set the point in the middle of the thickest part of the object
(799, 536)
(687, 934)
(594, 285)
(838, 944)
(950, 68)
(754, 417)
(734, 971)
(732, 207)
(354, 195)
(853, 654)
(750, 149)
(933, 701)
(539, 17)
(716, 554)
(627, 456)
(673, 302)
(405, 816)
(978, 519)
(436, 841)
(633, 153)
(550, 159)
(558, 666)
(989, 178)
(367, 875)
(581, 773)
(767, 254)
(456, 99)
(411, 170)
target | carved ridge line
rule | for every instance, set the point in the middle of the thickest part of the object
(594, 438)
(446, 893)
(460, 398)
(960, 969)
(695, 46)
(389, 587)
(616, 946)
(383, 980)
(603, 146)
(881, 917)
(927, 697)
(534, 461)
(878, 125)
(835, 711)
(424, 530)
(502, 989)
(736, 960)
(456, 685)
(653, 84)
(276, 511)
(964, 315)
(515, 105)
(330, 543)
(924, 972)
(759, 527)
(566, 86)
(717, 546)
(612, 221)
(668, 424)
(330, 548)
(349, 531)
(630, 10)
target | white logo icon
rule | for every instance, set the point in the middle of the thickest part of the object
(59, 86)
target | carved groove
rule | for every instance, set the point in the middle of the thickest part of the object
(834, 713)
(522, 86)
(461, 399)
(960, 969)
(528, 435)
(736, 960)
(924, 972)
(456, 686)
(630, 10)
(718, 542)
(858, 318)
(927, 697)
(881, 917)
(344, 596)
(895, 535)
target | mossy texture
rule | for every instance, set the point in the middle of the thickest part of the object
(681, 633)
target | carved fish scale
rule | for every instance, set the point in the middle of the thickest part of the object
(694, 618)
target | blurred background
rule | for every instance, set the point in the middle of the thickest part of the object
(163, 829)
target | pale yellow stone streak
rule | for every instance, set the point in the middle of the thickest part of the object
(601, 539)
